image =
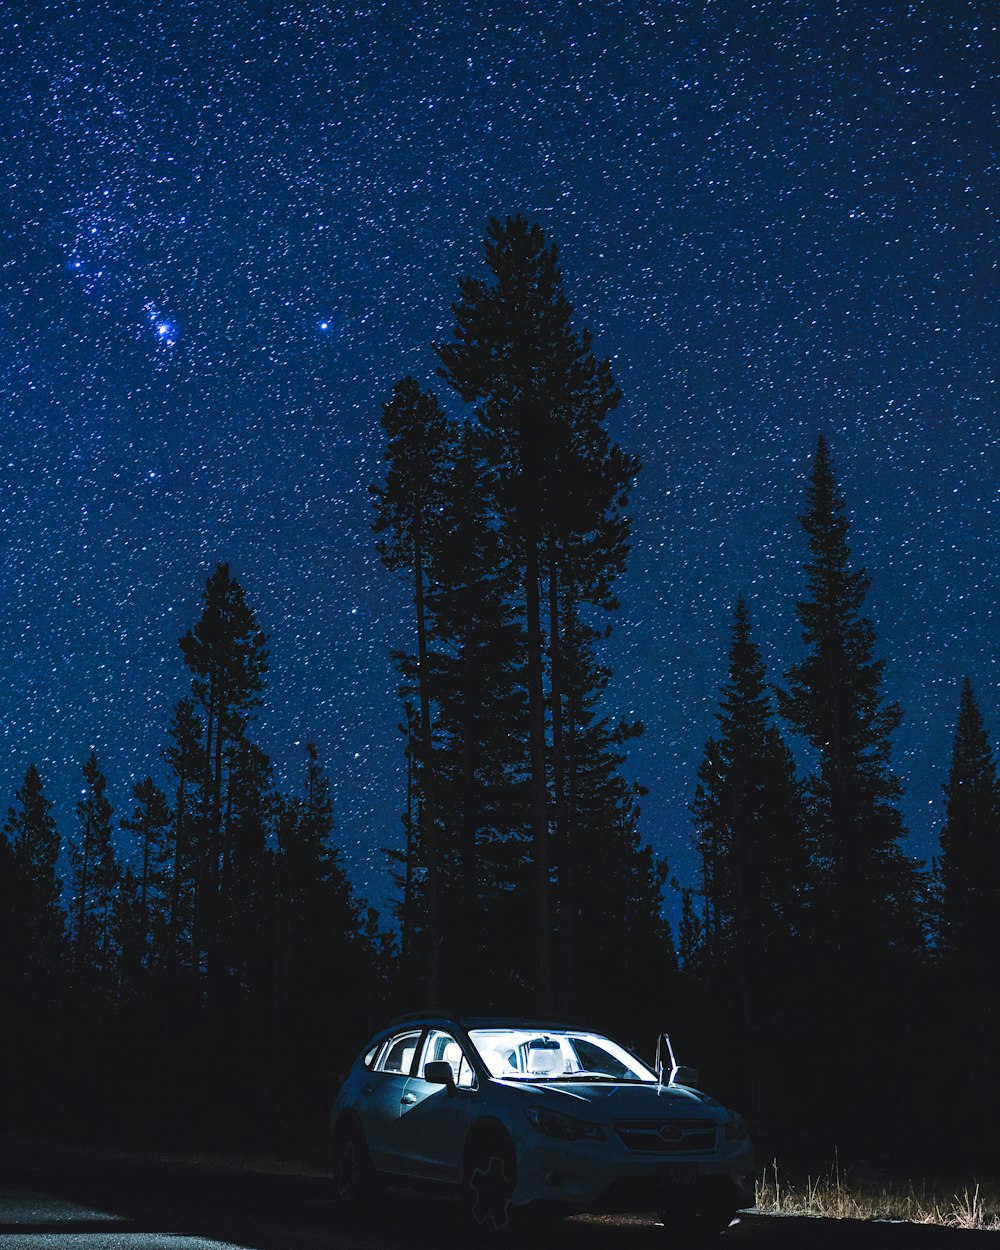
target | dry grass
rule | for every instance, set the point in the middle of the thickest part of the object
(839, 1195)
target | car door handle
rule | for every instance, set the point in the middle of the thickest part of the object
(409, 1099)
(368, 1089)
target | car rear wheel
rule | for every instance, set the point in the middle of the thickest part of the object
(489, 1189)
(355, 1180)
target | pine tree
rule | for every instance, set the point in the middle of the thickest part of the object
(96, 878)
(542, 398)
(751, 824)
(12, 965)
(227, 654)
(610, 889)
(150, 822)
(970, 849)
(417, 455)
(476, 683)
(36, 917)
(969, 933)
(690, 935)
(188, 764)
(318, 916)
(246, 887)
(865, 903)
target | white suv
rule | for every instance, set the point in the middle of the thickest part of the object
(518, 1114)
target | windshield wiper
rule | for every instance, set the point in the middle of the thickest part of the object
(594, 1076)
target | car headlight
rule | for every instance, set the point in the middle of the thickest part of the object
(736, 1129)
(565, 1127)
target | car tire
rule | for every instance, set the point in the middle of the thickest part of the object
(355, 1180)
(488, 1191)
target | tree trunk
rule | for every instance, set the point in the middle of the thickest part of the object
(82, 914)
(563, 849)
(175, 885)
(538, 785)
(428, 827)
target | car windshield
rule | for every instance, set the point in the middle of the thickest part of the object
(561, 1055)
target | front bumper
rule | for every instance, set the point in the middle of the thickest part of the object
(601, 1176)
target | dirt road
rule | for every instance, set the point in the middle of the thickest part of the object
(55, 1199)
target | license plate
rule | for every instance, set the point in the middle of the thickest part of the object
(673, 1175)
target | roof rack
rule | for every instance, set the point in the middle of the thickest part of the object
(454, 1017)
(430, 1014)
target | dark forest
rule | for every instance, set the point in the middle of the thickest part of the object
(198, 969)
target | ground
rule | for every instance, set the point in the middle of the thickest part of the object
(80, 1199)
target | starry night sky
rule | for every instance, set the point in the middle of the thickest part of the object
(227, 229)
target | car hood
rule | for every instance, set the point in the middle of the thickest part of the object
(604, 1101)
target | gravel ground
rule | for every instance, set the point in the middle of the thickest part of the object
(63, 1199)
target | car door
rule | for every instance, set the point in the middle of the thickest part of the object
(382, 1099)
(434, 1119)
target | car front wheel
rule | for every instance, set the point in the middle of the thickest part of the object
(355, 1180)
(489, 1189)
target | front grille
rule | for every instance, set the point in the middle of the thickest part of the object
(666, 1136)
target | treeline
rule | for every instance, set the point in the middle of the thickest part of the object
(204, 962)
(844, 989)
(205, 965)
(818, 970)
(524, 883)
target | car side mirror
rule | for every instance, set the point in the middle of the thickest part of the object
(684, 1076)
(439, 1072)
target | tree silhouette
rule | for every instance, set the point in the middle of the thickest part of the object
(318, 916)
(969, 933)
(227, 654)
(970, 849)
(750, 821)
(96, 879)
(188, 764)
(417, 454)
(751, 826)
(611, 931)
(150, 822)
(864, 887)
(476, 682)
(34, 907)
(541, 399)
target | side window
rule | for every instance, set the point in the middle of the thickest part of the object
(373, 1054)
(398, 1054)
(442, 1046)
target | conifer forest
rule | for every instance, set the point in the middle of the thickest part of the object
(197, 967)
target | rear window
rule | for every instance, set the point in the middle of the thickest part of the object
(398, 1053)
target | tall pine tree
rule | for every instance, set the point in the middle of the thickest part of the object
(35, 917)
(150, 822)
(970, 849)
(476, 679)
(186, 758)
(751, 825)
(864, 899)
(227, 655)
(96, 879)
(752, 832)
(418, 441)
(318, 917)
(541, 399)
(969, 934)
